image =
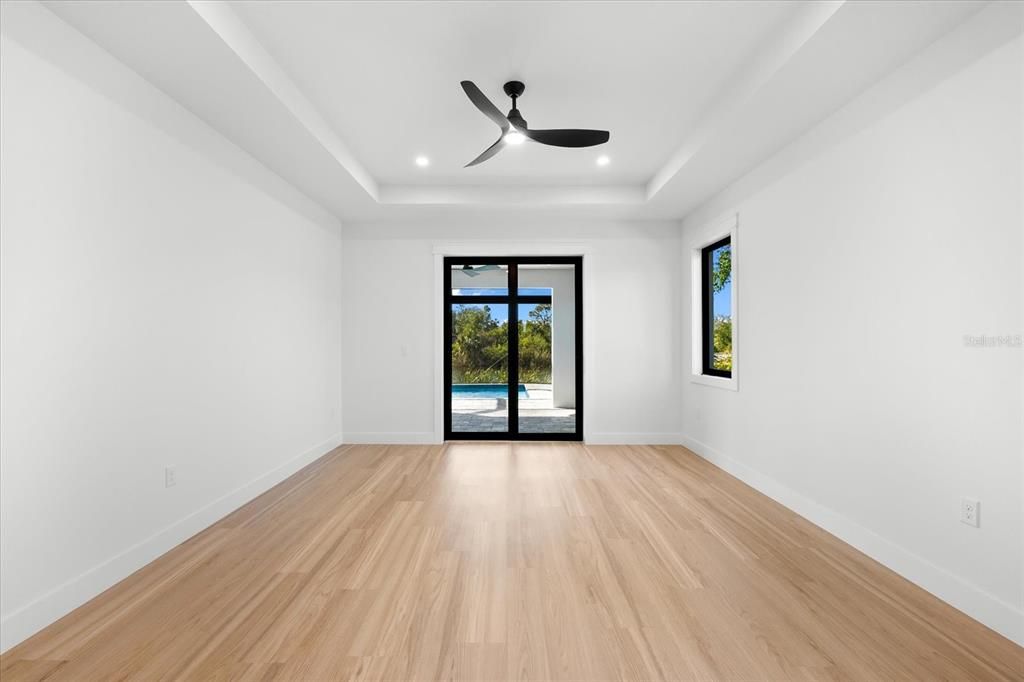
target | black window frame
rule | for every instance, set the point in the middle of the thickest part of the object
(708, 309)
(512, 299)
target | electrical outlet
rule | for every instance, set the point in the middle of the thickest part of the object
(170, 477)
(970, 511)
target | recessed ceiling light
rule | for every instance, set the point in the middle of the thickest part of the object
(422, 161)
(603, 161)
(514, 137)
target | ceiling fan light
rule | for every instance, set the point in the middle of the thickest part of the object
(513, 136)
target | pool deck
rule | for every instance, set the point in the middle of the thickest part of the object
(537, 414)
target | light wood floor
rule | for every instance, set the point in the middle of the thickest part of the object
(514, 561)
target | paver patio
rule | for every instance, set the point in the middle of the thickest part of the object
(537, 413)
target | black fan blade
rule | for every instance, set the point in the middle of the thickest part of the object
(568, 137)
(485, 105)
(489, 152)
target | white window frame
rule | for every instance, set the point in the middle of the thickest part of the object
(709, 234)
(485, 247)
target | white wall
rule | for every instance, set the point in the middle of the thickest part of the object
(561, 281)
(165, 301)
(632, 326)
(859, 404)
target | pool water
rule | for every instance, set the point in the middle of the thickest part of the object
(484, 391)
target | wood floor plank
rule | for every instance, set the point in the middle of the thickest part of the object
(533, 561)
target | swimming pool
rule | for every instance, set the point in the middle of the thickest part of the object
(484, 391)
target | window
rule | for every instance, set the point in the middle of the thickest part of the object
(713, 303)
(716, 309)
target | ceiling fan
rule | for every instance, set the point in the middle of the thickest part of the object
(514, 129)
(474, 270)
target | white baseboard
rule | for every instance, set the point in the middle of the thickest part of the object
(632, 438)
(55, 604)
(427, 437)
(391, 438)
(987, 609)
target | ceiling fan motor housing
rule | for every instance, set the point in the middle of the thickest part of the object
(517, 120)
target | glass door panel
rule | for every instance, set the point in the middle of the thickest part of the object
(547, 348)
(479, 368)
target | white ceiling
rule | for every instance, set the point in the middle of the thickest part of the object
(386, 76)
(338, 98)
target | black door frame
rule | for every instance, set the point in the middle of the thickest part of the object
(512, 300)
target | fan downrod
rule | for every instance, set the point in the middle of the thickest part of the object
(514, 89)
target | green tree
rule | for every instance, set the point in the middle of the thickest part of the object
(721, 336)
(721, 333)
(721, 273)
(535, 345)
(480, 346)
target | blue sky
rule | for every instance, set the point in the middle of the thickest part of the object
(499, 311)
(723, 300)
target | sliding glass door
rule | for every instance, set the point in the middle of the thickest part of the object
(513, 361)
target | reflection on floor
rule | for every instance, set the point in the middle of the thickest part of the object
(537, 414)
